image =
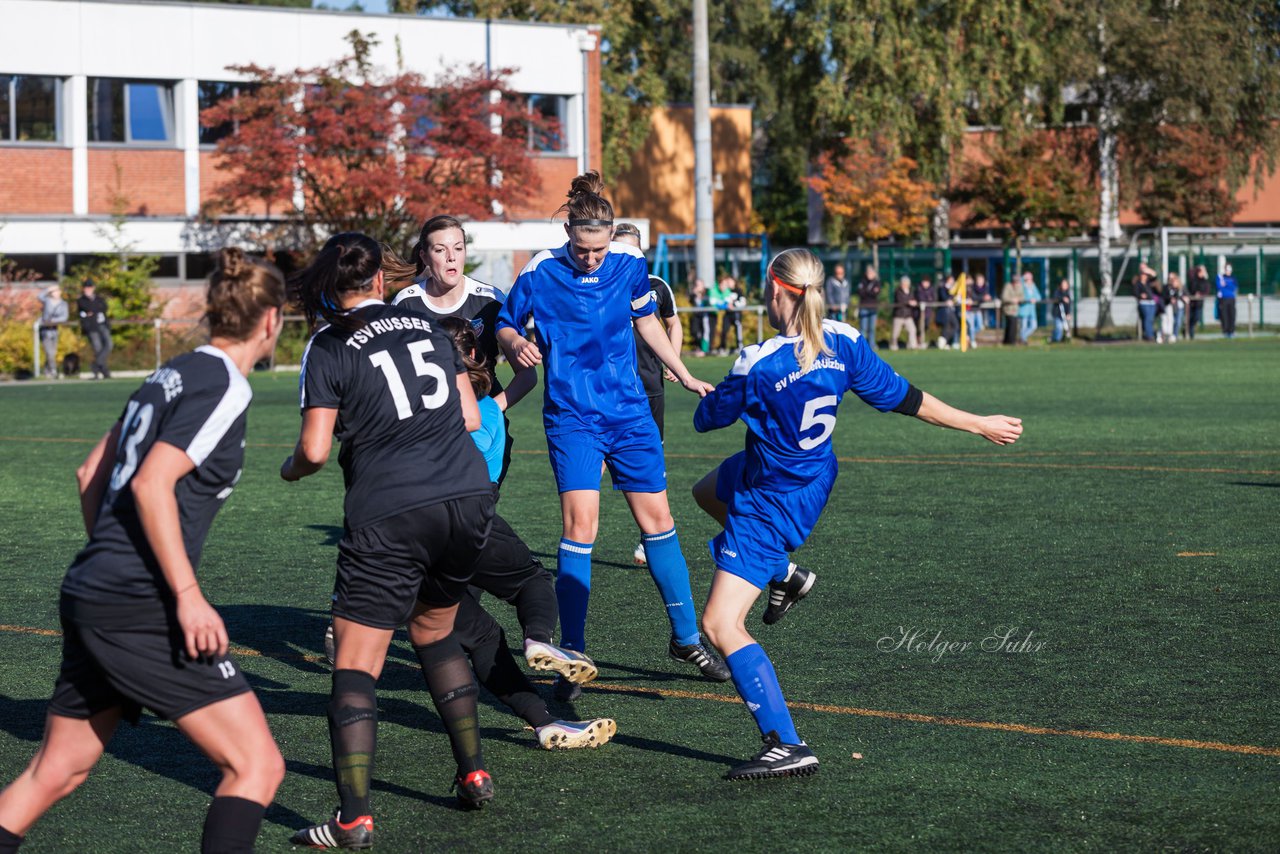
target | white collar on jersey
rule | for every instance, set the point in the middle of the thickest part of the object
(364, 304)
(466, 288)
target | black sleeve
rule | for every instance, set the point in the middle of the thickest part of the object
(911, 403)
(321, 376)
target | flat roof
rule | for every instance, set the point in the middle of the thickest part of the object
(241, 8)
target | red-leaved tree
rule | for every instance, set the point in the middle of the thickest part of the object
(872, 194)
(372, 152)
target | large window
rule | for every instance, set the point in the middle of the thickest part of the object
(553, 111)
(213, 92)
(28, 108)
(130, 111)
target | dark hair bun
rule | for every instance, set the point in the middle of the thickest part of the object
(589, 182)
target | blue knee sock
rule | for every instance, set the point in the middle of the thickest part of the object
(573, 587)
(758, 687)
(671, 574)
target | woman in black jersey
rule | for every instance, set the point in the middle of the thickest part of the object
(136, 628)
(391, 387)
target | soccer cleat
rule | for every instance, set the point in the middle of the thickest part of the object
(565, 691)
(572, 665)
(639, 558)
(701, 657)
(330, 647)
(335, 834)
(776, 760)
(783, 595)
(474, 790)
(564, 735)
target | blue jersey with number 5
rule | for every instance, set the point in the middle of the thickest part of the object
(790, 415)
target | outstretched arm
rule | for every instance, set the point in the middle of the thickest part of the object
(998, 429)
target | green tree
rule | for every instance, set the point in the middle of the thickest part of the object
(1141, 65)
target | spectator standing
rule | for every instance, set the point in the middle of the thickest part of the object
(869, 304)
(1198, 289)
(92, 309)
(1145, 294)
(947, 322)
(1175, 309)
(1031, 297)
(717, 300)
(926, 294)
(1227, 290)
(976, 294)
(905, 307)
(704, 319)
(837, 294)
(53, 314)
(1062, 311)
(734, 302)
(1010, 299)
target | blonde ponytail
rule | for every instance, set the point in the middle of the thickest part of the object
(799, 270)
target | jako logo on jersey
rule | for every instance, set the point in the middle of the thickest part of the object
(728, 552)
(590, 280)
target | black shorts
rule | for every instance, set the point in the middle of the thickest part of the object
(136, 667)
(658, 409)
(427, 554)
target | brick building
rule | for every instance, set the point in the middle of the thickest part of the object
(100, 101)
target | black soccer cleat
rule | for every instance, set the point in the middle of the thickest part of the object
(334, 834)
(701, 657)
(783, 595)
(776, 760)
(565, 691)
(474, 789)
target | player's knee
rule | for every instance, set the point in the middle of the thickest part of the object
(56, 779)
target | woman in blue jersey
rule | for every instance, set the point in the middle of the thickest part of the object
(769, 497)
(583, 297)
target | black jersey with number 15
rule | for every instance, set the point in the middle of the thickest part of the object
(404, 442)
(197, 403)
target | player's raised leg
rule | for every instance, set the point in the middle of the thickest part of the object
(670, 575)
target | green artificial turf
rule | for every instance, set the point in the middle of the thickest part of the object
(1131, 456)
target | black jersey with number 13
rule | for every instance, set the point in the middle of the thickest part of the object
(197, 403)
(404, 442)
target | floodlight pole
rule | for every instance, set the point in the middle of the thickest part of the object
(704, 217)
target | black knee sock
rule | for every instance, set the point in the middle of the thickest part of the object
(353, 733)
(9, 842)
(536, 605)
(231, 826)
(497, 671)
(453, 690)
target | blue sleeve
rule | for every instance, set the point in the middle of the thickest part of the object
(871, 378)
(724, 405)
(637, 278)
(518, 305)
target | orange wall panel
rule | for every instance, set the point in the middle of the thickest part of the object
(658, 185)
(35, 180)
(150, 181)
(211, 178)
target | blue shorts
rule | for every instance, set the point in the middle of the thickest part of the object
(633, 454)
(764, 526)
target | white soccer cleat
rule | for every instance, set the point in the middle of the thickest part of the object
(573, 666)
(566, 735)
